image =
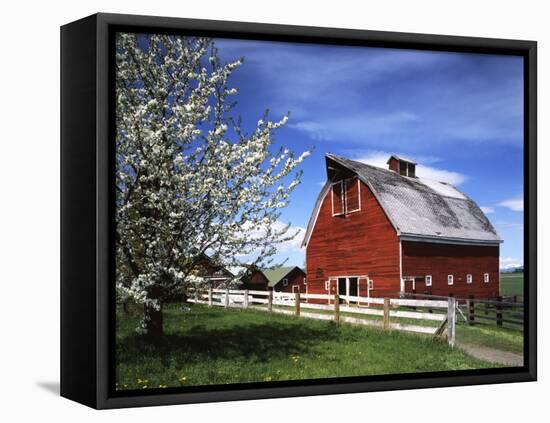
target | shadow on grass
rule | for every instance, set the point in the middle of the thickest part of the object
(249, 341)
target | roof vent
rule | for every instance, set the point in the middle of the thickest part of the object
(402, 165)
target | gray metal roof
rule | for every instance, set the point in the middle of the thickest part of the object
(421, 208)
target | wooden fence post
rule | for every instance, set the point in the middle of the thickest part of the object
(210, 296)
(499, 311)
(297, 303)
(471, 310)
(337, 307)
(245, 299)
(386, 314)
(270, 301)
(226, 297)
(451, 322)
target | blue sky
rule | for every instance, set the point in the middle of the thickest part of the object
(459, 115)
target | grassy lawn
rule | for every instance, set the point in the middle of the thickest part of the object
(218, 346)
(491, 336)
(511, 284)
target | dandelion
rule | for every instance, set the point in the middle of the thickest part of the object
(295, 358)
(183, 379)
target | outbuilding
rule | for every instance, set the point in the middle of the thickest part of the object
(384, 232)
(280, 279)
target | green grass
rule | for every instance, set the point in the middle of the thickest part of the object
(511, 284)
(491, 336)
(218, 346)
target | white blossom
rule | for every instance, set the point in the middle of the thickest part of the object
(184, 189)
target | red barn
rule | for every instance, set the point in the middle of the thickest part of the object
(380, 232)
(281, 279)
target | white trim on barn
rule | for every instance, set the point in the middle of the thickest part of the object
(428, 278)
(401, 281)
(341, 196)
(316, 211)
(358, 195)
(441, 240)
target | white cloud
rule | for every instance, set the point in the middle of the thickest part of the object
(510, 262)
(290, 249)
(353, 127)
(515, 204)
(380, 158)
(509, 225)
(453, 178)
(487, 209)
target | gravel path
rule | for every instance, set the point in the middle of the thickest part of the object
(493, 355)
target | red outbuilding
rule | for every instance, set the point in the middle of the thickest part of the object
(382, 232)
(280, 279)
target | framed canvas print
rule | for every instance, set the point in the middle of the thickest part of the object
(254, 211)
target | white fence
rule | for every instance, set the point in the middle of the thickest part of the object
(331, 307)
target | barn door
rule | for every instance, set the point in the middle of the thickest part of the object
(410, 286)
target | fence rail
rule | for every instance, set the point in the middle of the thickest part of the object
(347, 309)
(500, 311)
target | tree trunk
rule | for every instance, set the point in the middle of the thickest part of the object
(153, 321)
(125, 306)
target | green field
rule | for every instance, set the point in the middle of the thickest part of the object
(503, 339)
(218, 346)
(511, 284)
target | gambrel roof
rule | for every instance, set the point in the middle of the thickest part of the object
(419, 209)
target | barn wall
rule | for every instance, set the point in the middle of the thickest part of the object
(257, 281)
(295, 278)
(360, 243)
(441, 260)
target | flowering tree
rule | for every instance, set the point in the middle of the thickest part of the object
(189, 181)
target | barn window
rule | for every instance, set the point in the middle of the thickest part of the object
(411, 170)
(352, 195)
(486, 277)
(296, 288)
(371, 284)
(469, 278)
(428, 280)
(305, 281)
(403, 168)
(338, 198)
(285, 282)
(346, 196)
(450, 279)
(327, 285)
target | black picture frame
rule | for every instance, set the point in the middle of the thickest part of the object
(87, 259)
